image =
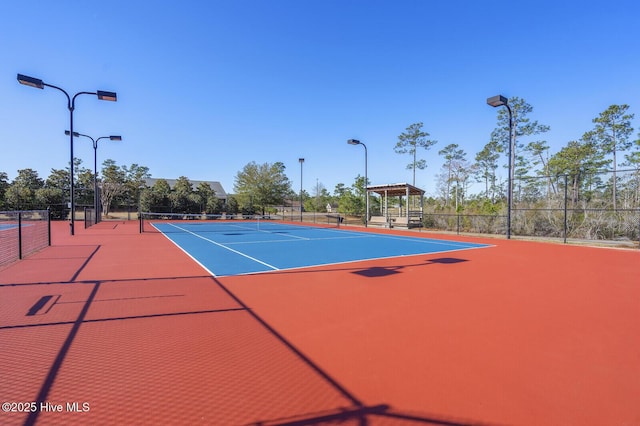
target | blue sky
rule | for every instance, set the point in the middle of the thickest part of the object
(205, 87)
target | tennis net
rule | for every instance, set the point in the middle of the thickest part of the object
(178, 222)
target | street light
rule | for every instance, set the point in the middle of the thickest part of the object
(366, 180)
(497, 101)
(301, 160)
(71, 102)
(95, 168)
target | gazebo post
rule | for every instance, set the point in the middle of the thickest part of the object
(386, 205)
(408, 202)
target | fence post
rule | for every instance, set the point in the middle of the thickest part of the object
(19, 235)
(565, 208)
(49, 226)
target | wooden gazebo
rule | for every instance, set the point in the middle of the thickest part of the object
(408, 216)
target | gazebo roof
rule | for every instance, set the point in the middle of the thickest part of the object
(395, 189)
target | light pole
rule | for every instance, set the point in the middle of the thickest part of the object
(95, 167)
(497, 101)
(71, 102)
(366, 180)
(301, 160)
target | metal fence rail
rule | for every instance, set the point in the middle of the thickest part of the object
(23, 233)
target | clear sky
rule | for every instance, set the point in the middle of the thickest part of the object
(205, 87)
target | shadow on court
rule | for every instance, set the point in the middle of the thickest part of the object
(228, 361)
(385, 271)
(157, 349)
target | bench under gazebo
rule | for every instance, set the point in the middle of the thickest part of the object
(407, 216)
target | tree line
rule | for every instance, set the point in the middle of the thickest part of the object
(28, 191)
(262, 188)
(607, 147)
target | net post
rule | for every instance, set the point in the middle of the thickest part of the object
(140, 220)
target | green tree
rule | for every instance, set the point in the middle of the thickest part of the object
(538, 152)
(408, 143)
(84, 191)
(4, 185)
(632, 158)
(461, 171)
(486, 166)
(59, 178)
(262, 185)
(20, 194)
(53, 199)
(612, 132)
(207, 199)
(232, 208)
(359, 188)
(183, 199)
(135, 180)
(452, 155)
(214, 205)
(351, 200)
(339, 190)
(317, 202)
(156, 198)
(522, 125)
(577, 160)
(57, 192)
(28, 178)
(349, 203)
(120, 184)
(113, 184)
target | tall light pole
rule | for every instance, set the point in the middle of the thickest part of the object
(71, 102)
(366, 180)
(301, 160)
(497, 101)
(95, 168)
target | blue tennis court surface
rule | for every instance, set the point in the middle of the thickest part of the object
(245, 248)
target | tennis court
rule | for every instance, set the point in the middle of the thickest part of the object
(228, 248)
(467, 331)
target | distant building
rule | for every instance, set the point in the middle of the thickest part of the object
(331, 208)
(215, 186)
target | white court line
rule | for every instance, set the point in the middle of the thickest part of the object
(290, 241)
(431, 240)
(293, 268)
(184, 251)
(356, 234)
(226, 248)
(281, 232)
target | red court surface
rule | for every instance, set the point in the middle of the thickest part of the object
(113, 327)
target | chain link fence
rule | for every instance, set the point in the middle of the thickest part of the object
(23, 233)
(598, 206)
